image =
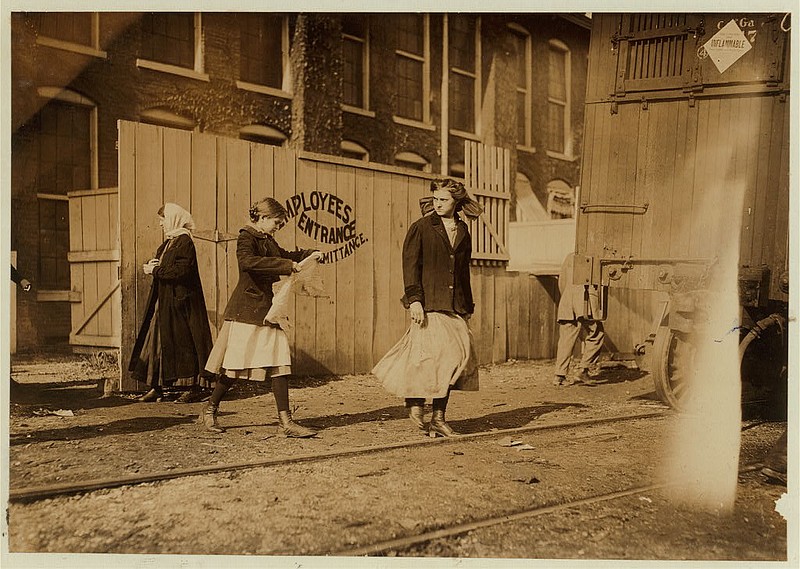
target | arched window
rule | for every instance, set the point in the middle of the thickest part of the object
(163, 117)
(560, 200)
(263, 134)
(529, 208)
(354, 150)
(412, 160)
(64, 158)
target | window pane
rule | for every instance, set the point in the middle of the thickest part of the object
(409, 88)
(169, 38)
(522, 63)
(75, 27)
(410, 33)
(64, 148)
(261, 59)
(462, 102)
(557, 81)
(521, 139)
(462, 42)
(53, 244)
(555, 127)
(353, 76)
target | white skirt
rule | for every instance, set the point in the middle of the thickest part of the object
(429, 361)
(247, 351)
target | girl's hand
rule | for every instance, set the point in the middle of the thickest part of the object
(317, 256)
(417, 313)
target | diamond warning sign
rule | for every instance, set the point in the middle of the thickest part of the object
(727, 46)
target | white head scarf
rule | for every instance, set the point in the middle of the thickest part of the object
(177, 221)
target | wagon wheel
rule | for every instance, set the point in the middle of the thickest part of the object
(672, 362)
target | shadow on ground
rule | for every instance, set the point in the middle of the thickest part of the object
(123, 426)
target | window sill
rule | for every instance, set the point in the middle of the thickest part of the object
(172, 69)
(263, 89)
(464, 134)
(73, 47)
(414, 123)
(358, 111)
(526, 149)
(559, 156)
(58, 296)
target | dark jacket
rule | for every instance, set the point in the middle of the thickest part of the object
(261, 263)
(435, 273)
(183, 326)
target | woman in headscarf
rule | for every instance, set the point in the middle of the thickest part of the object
(174, 340)
(436, 354)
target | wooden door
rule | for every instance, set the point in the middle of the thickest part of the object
(94, 268)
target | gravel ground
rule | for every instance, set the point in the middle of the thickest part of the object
(332, 506)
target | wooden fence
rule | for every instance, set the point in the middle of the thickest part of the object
(356, 213)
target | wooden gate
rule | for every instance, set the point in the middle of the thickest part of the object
(94, 268)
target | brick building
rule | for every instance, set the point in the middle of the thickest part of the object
(398, 89)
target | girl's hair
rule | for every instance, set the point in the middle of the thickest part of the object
(161, 211)
(464, 203)
(268, 207)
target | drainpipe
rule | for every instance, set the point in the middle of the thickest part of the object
(445, 98)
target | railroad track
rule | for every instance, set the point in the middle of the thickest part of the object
(36, 493)
(451, 531)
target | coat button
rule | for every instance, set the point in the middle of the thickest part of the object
(451, 286)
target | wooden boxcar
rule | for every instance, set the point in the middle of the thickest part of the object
(682, 112)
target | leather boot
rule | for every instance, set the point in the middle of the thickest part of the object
(208, 418)
(416, 415)
(292, 429)
(439, 427)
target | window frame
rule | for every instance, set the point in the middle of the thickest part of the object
(365, 62)
(558, 45)
(354, 147)
(425, 59)
(92, 50)
(287, 89)
(76, 99)
(198, 70)
(476, 78)
(517, 30)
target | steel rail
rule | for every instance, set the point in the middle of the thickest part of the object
(406, 542)
(35, 493)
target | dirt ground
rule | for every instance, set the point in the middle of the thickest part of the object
(62, 430)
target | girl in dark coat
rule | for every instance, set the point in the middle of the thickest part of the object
(175, 337)
(248, 346)
(436, 354)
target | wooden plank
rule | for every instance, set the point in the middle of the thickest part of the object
(305, 307)
(346, 330)
(398, 227)
(584, 194)
(237, 176)
(127, 246)
(486, 332)
(75, 244)
(327, 330)
(747, 173)
(476, 322)
(149, 198)
(663, 162)
(500, 335)
(226, 282)
(686, 137)
(772, 249)
(178, 171)
(384, 294)
(780, 257)
(364, 318)
(203, 203)
(512, 310)
(91, 286)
